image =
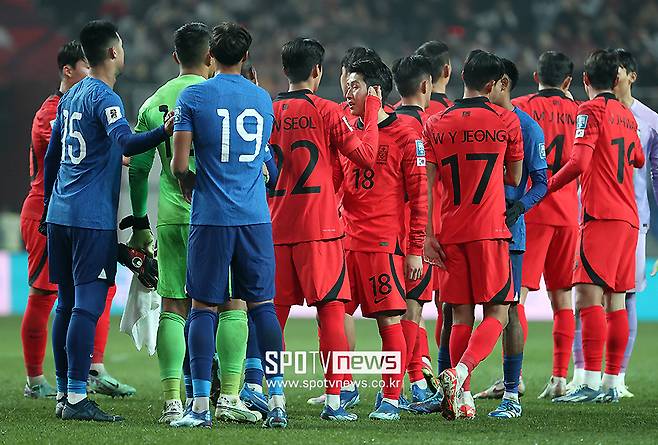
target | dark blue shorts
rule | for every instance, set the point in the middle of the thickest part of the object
(81, 255)
(247, 250)
(516, 258)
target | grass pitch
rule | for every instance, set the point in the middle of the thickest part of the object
(633, 421)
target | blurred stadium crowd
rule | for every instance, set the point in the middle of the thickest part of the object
(31, 31)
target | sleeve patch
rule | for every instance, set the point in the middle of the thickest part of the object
(541, 147)
(420, 148)
(177, 115)
(421, 161)
(113, 114)
(581, 121)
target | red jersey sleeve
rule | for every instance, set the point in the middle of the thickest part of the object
(514, 150)
(638, 154)
(415, 186)
(430, 154)
(362, 150)
(588, 127)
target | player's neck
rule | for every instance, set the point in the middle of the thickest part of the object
(547, 87)
(506, 103)
(200, 70)
(469, 93)
(414, 101)
(103, 74)
(439, 87)
(233, 69)
(64, 86)
(381, 115)
(299, 86)
(594, 92)
(626, 97)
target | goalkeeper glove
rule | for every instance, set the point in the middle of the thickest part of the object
(141, 264)
(514, 211)
(142, 237)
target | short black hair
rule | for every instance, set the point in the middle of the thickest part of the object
(480, 68)
(191, 42)
(602, 68)
(626, 60)
(553, 67)
(70, 54)
(511, 71)
(96, 37)
(438, 54)
(355, 53)
(409, 72)
(229, 43)
(374, 72)
(299, 56)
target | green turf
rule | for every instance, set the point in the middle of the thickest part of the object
(632, 421)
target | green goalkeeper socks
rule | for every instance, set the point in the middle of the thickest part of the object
(232, 347)
(171, 352)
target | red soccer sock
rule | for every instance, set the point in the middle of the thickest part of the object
(564, 328)
(282, 313)
(410, 330)
(421, 349)
(103, 328)
(34, 331)
(593, 333)
(616, 340)
(332, 338)
(481, 343)
(459, 337)
(520, 310)
(393, 340)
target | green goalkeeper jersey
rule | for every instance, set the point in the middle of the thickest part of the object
(172, 207)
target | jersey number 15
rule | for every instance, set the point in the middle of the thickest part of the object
(72, 133)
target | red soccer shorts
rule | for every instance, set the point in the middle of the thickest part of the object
(376, 283)
(478, 272)
(421, 290)
(606, 255)
(550, 250)
(37, 255)
(314, 271)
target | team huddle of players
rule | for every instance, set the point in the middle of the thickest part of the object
(358, 204)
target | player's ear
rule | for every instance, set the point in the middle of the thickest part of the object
(246, 57)
(175, 56)
(488, 86)
(447, 70)
(616, 82)
(535, 77)
(67, 71)
(566, 83)
(633, 77)
(586, 81)
(208, 60)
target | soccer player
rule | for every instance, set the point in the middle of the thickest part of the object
(606, 149)
(552, 225)
(73, 67)
(413, 79)
(647, 121)
(468, 145)
(82, 175)
(519, 200)
(192, 57)
(373, 211)
(309, 133)
(229, 120)
(439, 55)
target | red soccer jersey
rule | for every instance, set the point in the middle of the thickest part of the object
(373, 201)
(469, 143)
(41, 129)
(609, 128)
(307, 134)
(556, 114)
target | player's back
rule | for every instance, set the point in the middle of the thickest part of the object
(469, 143)
(86, 192)
(412, 116)
(373, 199)
(171, 204)
(303, 205)
(231, 121)
(40, 136)
(610, 129)
(556, 114)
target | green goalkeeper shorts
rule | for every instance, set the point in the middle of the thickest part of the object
(172, 260)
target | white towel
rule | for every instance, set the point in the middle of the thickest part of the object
(141, 316)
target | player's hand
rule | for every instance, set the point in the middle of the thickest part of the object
(142, 239)
(413, 267)
(514, 211)
(186, 185)
(376, 91)
(433, 252)
(125, 161)
(252, 75)
(169, 123)
(654, 271)
(43, 225)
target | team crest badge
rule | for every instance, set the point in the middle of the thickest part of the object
(382, 154)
